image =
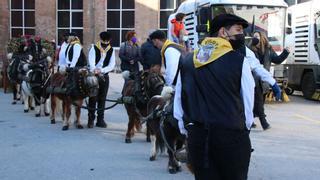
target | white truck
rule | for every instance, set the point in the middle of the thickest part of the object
(268, 16)
(302, 67)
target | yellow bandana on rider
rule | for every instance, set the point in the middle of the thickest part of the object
(220, 47)
(76, 41)
(164, 47)
(98, 44)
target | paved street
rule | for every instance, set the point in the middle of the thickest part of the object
(31, 148)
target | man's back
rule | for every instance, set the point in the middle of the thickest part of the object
(212, 88)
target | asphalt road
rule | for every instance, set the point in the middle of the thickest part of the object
(32, 148)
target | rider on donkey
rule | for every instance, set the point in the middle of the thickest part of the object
(101, 62)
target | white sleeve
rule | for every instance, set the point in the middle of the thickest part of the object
(62, 54)
(247, 92)
(76, 54)
(177, 106)
(172, 57)
(258, 68)
(111, 64)
(92, 59)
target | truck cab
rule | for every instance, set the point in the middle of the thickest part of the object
(303, 38)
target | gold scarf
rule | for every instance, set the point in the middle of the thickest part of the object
(164, 47)
(98, 44)
(220, 47)
(76, 41)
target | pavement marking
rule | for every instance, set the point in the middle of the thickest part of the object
(306, 118)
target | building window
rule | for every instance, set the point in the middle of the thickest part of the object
(167, 7)
(22, 16)
(69, 18)
(120, 19)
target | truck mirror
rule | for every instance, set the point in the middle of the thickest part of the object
(202, 28)
(288, 30)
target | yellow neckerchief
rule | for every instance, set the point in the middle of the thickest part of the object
(76, 41)
(98, 44)
(221, 47)
(164, 47)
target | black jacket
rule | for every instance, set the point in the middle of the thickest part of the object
(150, 55)
(270, 57)
(127, 53)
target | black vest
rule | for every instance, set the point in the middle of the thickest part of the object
(106, 61)
(82, 61)
(211, 94)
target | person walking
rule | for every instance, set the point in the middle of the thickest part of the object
(217, 103)
(266, 55)
(101, 62)
(150, 55)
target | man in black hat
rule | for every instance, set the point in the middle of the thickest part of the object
(101, 62)
(217, 101)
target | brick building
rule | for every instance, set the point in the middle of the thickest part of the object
(51, 18)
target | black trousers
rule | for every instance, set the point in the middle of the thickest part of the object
(217, 154)
(100, 100)
(258, 109)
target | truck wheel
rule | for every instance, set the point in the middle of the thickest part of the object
(308, 85)
(289, 91)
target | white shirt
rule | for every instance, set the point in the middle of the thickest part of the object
(62, 54)
(258, 68)
(247, 93)
(172, 57)
(76, 54)
(93, 65)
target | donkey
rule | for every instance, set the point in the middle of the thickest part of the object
(152, 83)
(164, 129)
(71, 87)
(37, 78)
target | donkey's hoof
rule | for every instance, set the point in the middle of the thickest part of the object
(26, 110)
(152, 158)
(148, 139)
(128, 140)
(79, 126)
(14, 102)
(46, 114)
(31, 108)
(64, 128)
(172, 170)
(53, 121)
(38, 115)
(90, 125)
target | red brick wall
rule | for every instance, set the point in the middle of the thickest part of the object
(146, 17)
(45, 18)
(4, 26)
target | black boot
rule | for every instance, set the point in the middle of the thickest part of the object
(265, 125)
(101, 123)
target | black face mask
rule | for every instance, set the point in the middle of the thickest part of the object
(104, 45)
(238, 42)
(254, 41)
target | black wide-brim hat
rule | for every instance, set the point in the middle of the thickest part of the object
(224, 20)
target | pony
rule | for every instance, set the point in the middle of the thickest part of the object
(152, 83)
(164, 129)
(71, 86)
(37, 77)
